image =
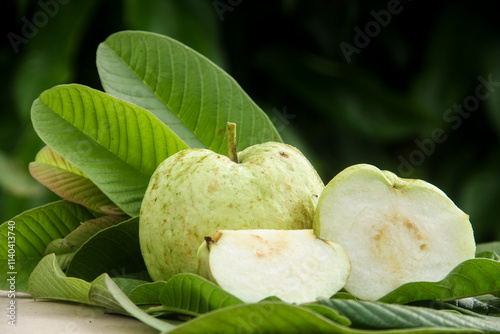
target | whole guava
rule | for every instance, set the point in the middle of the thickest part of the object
(196, 192)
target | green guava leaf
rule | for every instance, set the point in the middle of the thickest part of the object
(114, 250)
(488, 250)
(329, 313)
(128, 284)
(68, 182)
(48, 281)
(30, 234)
(493, 247)
(488, 255)
(116, 144)
(377, 315)
(344, 295)
(193, 295)
(66, 247)
(147, 293)
(100, 295)
(105, 292)
(264, 317)
(471, 278)
(278, 317)
(185, 294)
(185, 90)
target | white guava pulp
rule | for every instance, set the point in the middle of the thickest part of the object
(196, 192)
(293, 265)
(394, 230)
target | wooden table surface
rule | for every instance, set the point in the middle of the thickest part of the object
(53, 317)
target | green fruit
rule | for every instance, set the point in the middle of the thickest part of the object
(196, 192)
(394, 230)
(293, 265)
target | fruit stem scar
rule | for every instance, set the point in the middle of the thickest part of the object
(208, 241)
(232, 149)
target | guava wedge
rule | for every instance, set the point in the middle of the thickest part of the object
(293, 265)
(394, 230)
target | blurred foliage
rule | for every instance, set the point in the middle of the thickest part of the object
(383, 106)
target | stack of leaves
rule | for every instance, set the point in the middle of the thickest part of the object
(102, 148)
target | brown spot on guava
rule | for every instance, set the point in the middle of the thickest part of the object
(413, 229)
(283, 155)
(213, 187)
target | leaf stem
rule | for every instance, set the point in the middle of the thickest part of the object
(232, 148)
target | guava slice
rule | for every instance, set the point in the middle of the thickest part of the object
(394, 230)
(293, 265)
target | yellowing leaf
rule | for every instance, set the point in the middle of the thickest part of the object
(67, 181)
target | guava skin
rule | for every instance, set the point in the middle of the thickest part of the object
(196, 192)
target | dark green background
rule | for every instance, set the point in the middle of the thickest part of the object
(393, 100)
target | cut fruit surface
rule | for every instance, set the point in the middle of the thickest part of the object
(293, 265)
(394, 230)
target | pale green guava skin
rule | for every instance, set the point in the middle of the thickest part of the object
(196, 192)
